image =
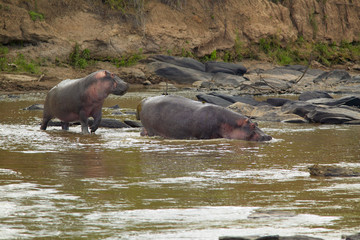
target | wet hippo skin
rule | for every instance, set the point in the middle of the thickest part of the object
(181, 118)
(79, 99)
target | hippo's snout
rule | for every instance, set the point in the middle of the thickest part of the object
(265, 138)
(121, 87)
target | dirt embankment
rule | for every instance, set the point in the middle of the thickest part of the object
(48, 30)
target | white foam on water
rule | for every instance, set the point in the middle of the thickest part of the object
(4, 171)
(264, 174)
(207, 223)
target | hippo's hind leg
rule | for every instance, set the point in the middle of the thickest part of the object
(65, 126)
(145, 132)
(45, 121)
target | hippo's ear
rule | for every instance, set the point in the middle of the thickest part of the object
(109, 74)
(242, 122)
(246, 122)
(100, 74)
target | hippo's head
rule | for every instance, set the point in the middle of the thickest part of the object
(114, 84)
(244, 129)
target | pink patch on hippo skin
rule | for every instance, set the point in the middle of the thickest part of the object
(100, 74)
(243, 121)
(229, 132)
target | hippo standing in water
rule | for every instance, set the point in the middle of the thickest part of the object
(79, 99)
(182, 118)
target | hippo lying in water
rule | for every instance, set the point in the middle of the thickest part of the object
(182, 118)
(79, 99)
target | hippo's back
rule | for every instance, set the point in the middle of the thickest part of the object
(167, 116)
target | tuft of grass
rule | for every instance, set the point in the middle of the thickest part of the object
(211, 57)
(79, 58)
(36, 16)
(128, 60)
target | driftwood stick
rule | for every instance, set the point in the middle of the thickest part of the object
(41, 77)
(306, 69)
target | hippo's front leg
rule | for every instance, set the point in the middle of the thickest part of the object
(84, 122)
(97, 119)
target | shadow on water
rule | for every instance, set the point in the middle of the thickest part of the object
(116, 184)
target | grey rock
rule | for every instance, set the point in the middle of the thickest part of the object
(230, 68)
(277, 102)
(353, 237)
(333, 115)
(110, 123)
(178, 74)
(299, 108)
(227, 80)
(213, 100)
(114, 107)
(313, 95)
(244, 99)
(352, 101)
(35, 107)
(334, 76)
(134, 124)
(181, 62)
(356, 79)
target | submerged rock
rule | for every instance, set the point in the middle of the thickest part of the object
(35, 107)
(271, 237)
(352, 237)
(134, 124)
(332, 171)
(105, 122)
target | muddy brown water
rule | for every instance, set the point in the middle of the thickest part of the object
(116, 184)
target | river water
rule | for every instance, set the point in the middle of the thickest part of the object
(116, 184)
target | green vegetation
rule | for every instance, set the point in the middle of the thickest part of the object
(211, 57)
(126, 6)
(79, 58)
(24, 65)
(36, 16)
(128, 60)
(18, 64)
(301, 51)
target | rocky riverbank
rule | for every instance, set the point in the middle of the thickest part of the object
(246, 78)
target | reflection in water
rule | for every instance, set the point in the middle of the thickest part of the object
(115, 184)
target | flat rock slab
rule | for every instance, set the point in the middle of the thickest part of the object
(317, 110)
